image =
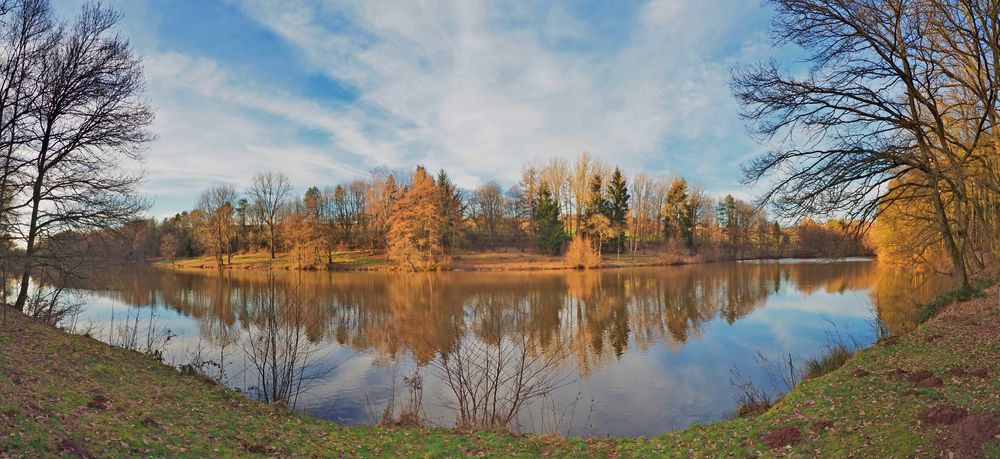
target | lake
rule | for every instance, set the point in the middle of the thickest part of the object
(621, 352)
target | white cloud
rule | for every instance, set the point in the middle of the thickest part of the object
(212, 129)
(465, 86)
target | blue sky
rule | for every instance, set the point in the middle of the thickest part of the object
(325, 90)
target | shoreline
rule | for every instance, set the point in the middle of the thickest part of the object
(69, 394)
(496, 261)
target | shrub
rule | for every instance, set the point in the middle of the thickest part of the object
(582, 254)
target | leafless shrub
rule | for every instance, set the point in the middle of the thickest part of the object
(560, 420)
(52, 305)
(199, 365)
(751, 399)
(151, 339)
(410, 412)
(490, 382)
(754, 399)
(279, 352)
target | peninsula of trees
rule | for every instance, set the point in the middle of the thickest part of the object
(419, 221)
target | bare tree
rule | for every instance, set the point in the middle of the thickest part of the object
(579, 185)
(275, 341)
(644, 210)
(491, 378)
(898, 104)
(26, 35)
(269, 191)
(87, 121)
(489, 208)
(216, 227)
(555, 176)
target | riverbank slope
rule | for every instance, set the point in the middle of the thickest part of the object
(933, 390)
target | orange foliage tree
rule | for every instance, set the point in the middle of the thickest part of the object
(416, 229)
(305, 234)
(583, 253)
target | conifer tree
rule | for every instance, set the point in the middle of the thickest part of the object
(451, 209)
(550, 229)
(678, 213)
(618, 198)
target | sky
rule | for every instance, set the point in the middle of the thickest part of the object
(326, 90)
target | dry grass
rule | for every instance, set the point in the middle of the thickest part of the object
(494, 260)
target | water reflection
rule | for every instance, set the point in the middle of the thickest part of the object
(690, 324)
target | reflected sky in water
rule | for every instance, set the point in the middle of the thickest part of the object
(650, 349)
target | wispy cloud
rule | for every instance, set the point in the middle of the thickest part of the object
(471, 87)
(474, 87)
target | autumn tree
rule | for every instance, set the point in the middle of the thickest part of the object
(529, 187)
(305, 235)
(416, 235)
(242, 227)
(215, 225)
(313, 202)
(580, 180)
(555, 175)
(452, 207)
(380, 198)
(170, 246)
(644, 211)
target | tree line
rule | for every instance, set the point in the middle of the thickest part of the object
(418, 219)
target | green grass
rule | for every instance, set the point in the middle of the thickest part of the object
(48, 379)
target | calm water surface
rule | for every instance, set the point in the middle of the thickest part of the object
(642, 351)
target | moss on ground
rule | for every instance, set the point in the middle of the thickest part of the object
(62, 394)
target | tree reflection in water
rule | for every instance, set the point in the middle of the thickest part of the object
(277, 343)
(580, 321)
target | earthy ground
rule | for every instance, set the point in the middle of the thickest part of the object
(500, 260)
(931, 393)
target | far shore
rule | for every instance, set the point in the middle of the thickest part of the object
(498, 260)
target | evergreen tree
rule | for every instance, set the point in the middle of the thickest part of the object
(678, 214)
(549, 227)
(726, 214)
(451, 209)
(312, 201)
(618, 198)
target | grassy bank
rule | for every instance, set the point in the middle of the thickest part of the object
(929, 391)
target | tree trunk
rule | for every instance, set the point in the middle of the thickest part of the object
(957, 258)
(29, 250)
(271, 228)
